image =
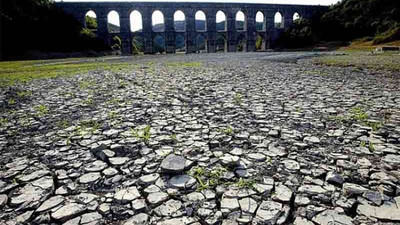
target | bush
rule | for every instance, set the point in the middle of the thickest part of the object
(389, 36)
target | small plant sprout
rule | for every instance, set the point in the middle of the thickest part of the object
(245, 183)
(238, 99)
(228, 130)
(143, 135)
(41, 110)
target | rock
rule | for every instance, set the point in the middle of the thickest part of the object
(68, 211)
(24, 218)
(248, 205)
(334, 178)
(34, 193)
(34, 176)
(312, 190)
(98, 153)
(329, 217)
(391, 159)
(268, 212)
(127, 195)
(139, 219)
(89, 178)
(302, 221)
(353, 189)
(312, 140)
(389, 212)
(96, 166)
(195, 197)
(3, 200)
(182, 181)
(168, 208)
(229, 160)
(173, 164)
(230, 204)
(177, 221)
(157, 197)
(291, 165)
(139, 204)
(90, 217)
(282, 194)
(149, 179)
(118, 161)
(257, 156)
(50, 203)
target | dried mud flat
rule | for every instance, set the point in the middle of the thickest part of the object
(255, 138)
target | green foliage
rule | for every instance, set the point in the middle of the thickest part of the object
(238, 99)
(41, 110)
(91, 23)
(88, 34)
(388, 36)
(88, 126)
(228, 130)
(359, 114)
(3, 122)
(259, 43)
(143, 134)
(245, 183)
(12, 73)
(183, 64)
(53, 30)
(208, 178)
(116, 43)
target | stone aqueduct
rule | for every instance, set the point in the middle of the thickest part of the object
(269, 33)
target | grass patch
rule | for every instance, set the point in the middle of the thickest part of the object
(183, 64)
(361, 59)
(12, 73)
(142, 134)
(41, 110)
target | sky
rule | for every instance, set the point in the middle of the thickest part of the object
(136, 21)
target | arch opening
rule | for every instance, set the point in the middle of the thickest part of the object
(159, 44)
(260, 43)
(278, 20)
(296, 16)
(221, 21)
(113, 22)
(91, 20)
(201, 44)
(221, 43)
(241, 43)
(260, 21)
(136, 21)
(201, 22)
(137, 45)
(179, 21)
(157, 21)
(116, 43)
(180, 44)
(240, 21)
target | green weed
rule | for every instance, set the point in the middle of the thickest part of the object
(41, 110)
(143, 135)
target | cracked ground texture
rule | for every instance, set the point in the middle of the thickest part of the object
(252, 138)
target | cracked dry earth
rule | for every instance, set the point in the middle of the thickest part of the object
(239, 139)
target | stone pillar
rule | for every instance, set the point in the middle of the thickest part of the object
(231, 30)
(211, 30)
(190, 31)
(102, 27)
(287, 19)
(169, 30)
(251, 31)
(147, 32)
(270, 27)
(125, 32)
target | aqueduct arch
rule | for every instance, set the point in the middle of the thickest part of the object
(124, 9)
